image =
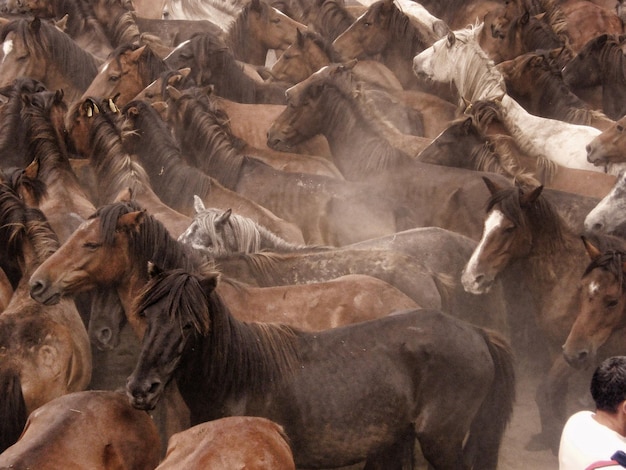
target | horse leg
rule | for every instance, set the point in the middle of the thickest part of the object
(550, 399)
(398, 456)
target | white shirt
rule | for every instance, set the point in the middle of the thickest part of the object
(585, 441)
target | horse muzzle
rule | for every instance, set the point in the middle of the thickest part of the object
(143, 395)
(44, 293)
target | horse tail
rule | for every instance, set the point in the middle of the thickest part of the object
(12, 407)
(489, 424)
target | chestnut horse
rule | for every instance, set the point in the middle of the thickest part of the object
(44, 350)
(248, 441)
(602, 301)
(90, 429)
(610, 146)
(276, 368)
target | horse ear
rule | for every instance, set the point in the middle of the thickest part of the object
(160, 106)
(58, 95)
(387, 5)
(184, 72)
(136, 54)
(132, 111)
(525, 18)
(256, 5)
(491, 186)
(467, 125)
(153, 270)
(32, 170)
(592, 250)
(198, 204)
(222, 219)
(349, 65)
(172, 92)
(90, 107)
(209, 283)
(527, 198)
(130, 222)
(35, 25)
(451, 39)
(62, 23)
(125, 195)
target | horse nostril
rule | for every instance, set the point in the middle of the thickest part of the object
(582, 356)
(588, 147)
(36, 287)
(597, 226)
(154, 387)
(104, 335)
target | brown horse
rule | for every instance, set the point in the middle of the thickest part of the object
(524, 234)
(600, 62)
(610, 146)
(213, 63)
(128, 70)
(329, 18)
(171, 172)
(602, 300)
(326, 210)
(45, 351)
(94, 429)
(292, 377)
(258, 28)
(39, 50)
(253, 442)
(538, 86)
(387, 32)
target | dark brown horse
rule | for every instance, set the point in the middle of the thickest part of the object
(523, 232)
(533, 81)
(95, 429)
(213, 63)
(601, 62)
(282, 374)
(228, 442)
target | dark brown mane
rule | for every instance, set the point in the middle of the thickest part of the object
(612, 60)
(329, 18)
(540, 218)
(151, 242)
(45, 40)
(237, 36)
(323, 44)
(253, 355)
(613, 255)
(404, 34)
(150, 65)
(536, 34)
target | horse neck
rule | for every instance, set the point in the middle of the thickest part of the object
(12, 129)
(245, 46)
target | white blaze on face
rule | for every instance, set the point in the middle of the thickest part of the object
(492, 223)
(594, 287)
(7, 47)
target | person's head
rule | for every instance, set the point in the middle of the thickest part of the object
(608, 384)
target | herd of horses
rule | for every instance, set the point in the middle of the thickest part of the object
(304, 234)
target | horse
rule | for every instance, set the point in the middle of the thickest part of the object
(128, 70)
(535, 84)
(385, 31)
(599, 63)
(602, 300)
(95, 428)
(587, 20)
(458, 59)
(45, 351)
(335, 213)
(259, 443)
(329, 18)
(311, 51)
(265, 358)
(324, 103)
(524, 234)
(258, 28)
(216, 234)
(171, 172)
(609, 146)
(78, 21)
(213, 63)
(608, 214)
(36, 49)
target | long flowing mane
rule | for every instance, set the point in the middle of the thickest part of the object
(475, 75)
(612, 61)
(329, 18)
(12, 126)
(237, 36)
(152, 242)
(252, 355)
(77, 65)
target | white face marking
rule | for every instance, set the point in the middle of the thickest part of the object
(594, 287)
(105, 66)
(493, 222)
(7, 47)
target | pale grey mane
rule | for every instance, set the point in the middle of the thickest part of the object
(475, 75)
(238, 234)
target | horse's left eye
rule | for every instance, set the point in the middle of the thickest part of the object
(92, 246)
(114, 78)
(612, 303)
(275, 20)
(619, 128)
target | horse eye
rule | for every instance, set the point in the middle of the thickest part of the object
(509, 229)
(275, 20)
(92, 246)
(367, 24)
(619, 128)
(114, 78)
(612, 303)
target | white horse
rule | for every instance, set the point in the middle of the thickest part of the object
(610, 213)
(459, 59)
